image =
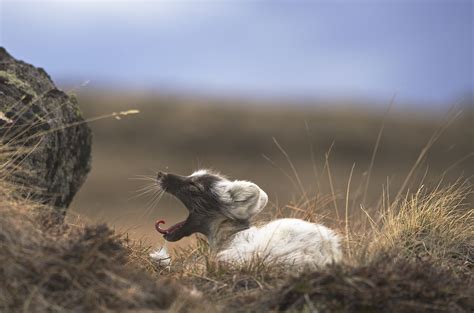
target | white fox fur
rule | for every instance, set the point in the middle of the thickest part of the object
(287, 241)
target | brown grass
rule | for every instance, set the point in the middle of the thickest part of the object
(436, 223)
(417, 258)
(387, 283)
(413, 253)
(67, 268)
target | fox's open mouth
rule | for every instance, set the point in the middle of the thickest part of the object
(170, 230)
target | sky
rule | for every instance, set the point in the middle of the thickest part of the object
(420, 49)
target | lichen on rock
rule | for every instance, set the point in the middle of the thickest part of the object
(51, 157)
(11, 79)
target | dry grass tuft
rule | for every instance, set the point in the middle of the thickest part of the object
(388, 283)
(438, 224)
(65, 268)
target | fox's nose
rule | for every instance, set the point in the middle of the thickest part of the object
(160, 176)
(170, 182)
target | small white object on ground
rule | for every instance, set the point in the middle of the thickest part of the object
(161, 257)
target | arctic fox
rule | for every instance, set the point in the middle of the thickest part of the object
(221, 210)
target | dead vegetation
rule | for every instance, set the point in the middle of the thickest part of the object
(435, 224)
(51, 266)
(68, 268)
(413, 265)
(412, 253)
(417, 257)
(387, 283)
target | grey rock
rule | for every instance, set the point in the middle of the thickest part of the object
(43, 132)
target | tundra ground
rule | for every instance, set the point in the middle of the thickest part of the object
(408, 234)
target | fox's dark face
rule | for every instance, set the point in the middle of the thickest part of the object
(209, 198)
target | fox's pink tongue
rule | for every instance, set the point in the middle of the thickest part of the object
(160, 230)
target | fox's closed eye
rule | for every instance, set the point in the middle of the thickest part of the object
(194, 187)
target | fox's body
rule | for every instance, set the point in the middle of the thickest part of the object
(289, 241)
(221, 210)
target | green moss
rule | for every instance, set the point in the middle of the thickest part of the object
(75, 104)
(12, 80)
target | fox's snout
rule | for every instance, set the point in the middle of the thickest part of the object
(160, 176)
(170, 182)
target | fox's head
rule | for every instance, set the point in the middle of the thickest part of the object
(209, 198)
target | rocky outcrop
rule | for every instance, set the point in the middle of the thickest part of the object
(45, 144)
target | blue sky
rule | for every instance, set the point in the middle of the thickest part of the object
(420, 49)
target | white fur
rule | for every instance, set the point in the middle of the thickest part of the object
(199, 173)
(243, 199)
(161, 257)
(288, 241)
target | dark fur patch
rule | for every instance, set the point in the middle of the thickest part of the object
(197, 194)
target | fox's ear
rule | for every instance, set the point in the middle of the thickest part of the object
(244, 199)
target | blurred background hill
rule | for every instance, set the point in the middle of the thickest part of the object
(180, 134)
